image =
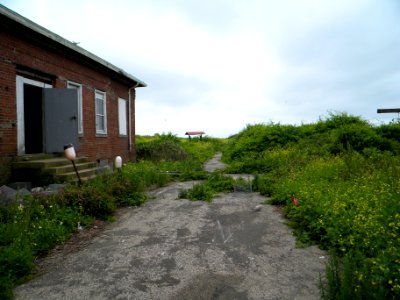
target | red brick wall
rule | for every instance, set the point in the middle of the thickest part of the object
(8, 112)
(15, 51)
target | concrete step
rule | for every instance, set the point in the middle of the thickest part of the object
(71, 176)
(36, 156)
(83, 179)
(62, 169)
(45, 169)
(47, 162)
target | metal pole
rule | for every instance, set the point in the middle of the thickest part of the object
(77, 174)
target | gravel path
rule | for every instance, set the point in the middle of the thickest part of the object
(178, 249)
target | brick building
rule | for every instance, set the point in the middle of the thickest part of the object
(53, 92)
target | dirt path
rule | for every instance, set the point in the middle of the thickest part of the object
(178, 249)
(214, 163)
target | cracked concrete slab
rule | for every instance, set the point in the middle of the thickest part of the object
(178, 249)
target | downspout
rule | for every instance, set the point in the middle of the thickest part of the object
(130, 116)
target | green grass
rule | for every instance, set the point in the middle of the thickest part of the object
(30, 230)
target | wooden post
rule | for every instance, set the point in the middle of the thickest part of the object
(388, 110)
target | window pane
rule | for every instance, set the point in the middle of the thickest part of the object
(122, 116)
(100, 123)
(99, 107)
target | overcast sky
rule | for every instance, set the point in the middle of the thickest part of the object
(218, 65)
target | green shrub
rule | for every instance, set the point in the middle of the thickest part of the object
(199, 192)
(215, 183)
(16, 262)
(255, 139)
(338, 120)
(202, 150)
(29, 230)
(94, 201)
(159, 150)
(358, 137)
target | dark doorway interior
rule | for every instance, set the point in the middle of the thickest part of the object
(33, 117)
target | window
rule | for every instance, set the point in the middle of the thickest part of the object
(78, 87)
(122, 116)
(101, 113)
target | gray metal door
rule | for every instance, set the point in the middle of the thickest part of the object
(60, 108)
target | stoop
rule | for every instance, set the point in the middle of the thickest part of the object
(43, 169)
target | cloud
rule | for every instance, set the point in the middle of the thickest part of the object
(220, 65)
(344, 65)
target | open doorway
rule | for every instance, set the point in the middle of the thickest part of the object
(33, 119)
(47, 117)
(30, 115)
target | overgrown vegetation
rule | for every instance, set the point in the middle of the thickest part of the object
(34, 227)
(345, 175)
(209, 188)
(181, 158)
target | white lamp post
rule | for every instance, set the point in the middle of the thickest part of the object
(70, 154)
(118, 162)
(118, 165)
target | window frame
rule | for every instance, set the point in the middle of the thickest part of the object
(78, 87)
(103, 98)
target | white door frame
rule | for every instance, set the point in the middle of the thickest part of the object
(20, 81)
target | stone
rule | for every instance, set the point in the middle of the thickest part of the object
(56, 187)
(20, 184)
(36, 190)
(21, 193)
(9, 196)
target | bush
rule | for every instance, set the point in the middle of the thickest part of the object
(207, 190)
(31, 229)
(338, 120)
(358, 138)
(16, 262)
(255, 139)
(159, 150)
(199, 192)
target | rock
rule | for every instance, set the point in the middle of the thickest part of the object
(36, 190)
(258, 207)
(9, 196)
(21, 193)
(56, 187)
(103, 167)
(20, 185)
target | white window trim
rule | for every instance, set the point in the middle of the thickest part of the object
(20, 81)
(122, 118)
(101, 132)
(78, 87)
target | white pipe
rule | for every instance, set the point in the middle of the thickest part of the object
(130, 116)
